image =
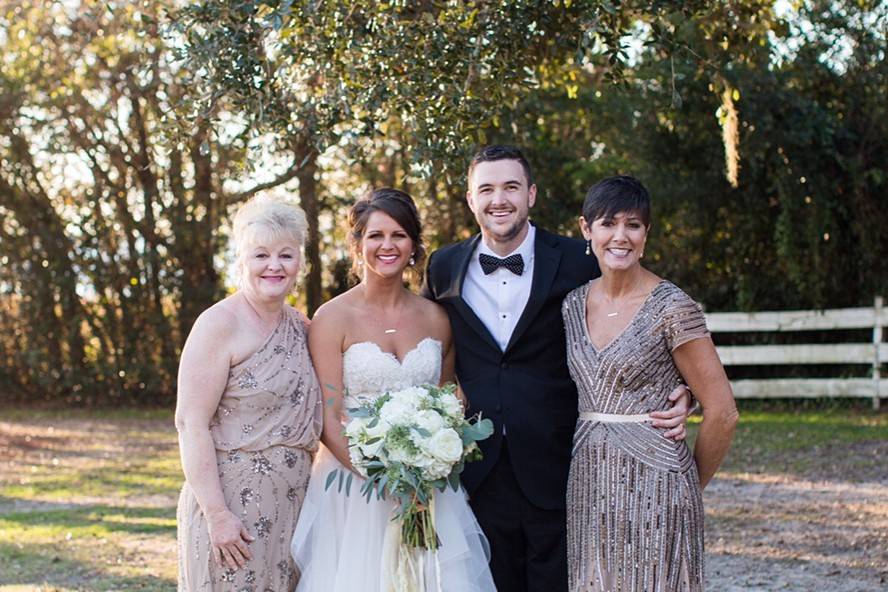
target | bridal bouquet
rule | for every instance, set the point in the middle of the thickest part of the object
(407, 444)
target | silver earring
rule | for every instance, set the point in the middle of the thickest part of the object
(589, 247)
(412, 260)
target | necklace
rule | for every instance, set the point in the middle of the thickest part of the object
(389, 328)
(394, 329)
(619, 305)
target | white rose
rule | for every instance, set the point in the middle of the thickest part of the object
(437, 470)
(429, 420)
(452, 407)
(397, 410)
(354, 428)
(412, 396)
(446, 445)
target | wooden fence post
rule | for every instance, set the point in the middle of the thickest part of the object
(877, 346)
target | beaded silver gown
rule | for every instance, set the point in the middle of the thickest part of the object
(634, 509)
(265, 431)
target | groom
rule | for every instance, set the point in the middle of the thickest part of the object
(502, 290)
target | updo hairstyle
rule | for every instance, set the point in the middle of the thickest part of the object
(396, 204)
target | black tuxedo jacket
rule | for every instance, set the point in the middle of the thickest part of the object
(527, 387)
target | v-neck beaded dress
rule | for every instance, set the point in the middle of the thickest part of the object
(265, 431)
(635, 513)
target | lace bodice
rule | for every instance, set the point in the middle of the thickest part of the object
(368, 371)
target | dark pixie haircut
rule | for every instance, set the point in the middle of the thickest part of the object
(615, 195)
(499, 152)
(395, 204)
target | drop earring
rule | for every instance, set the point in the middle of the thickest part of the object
(589, 247)
(412, 260)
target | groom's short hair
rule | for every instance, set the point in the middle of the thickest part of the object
(500, 152)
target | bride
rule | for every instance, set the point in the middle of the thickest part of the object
(374, 338)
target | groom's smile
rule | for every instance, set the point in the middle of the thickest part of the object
(501, 199)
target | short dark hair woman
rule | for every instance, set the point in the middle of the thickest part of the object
(635, 512)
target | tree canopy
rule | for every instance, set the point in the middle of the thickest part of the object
(131, 131)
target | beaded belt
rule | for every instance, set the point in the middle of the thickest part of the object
(614, 417)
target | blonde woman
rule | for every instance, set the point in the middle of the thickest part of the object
(249, 416)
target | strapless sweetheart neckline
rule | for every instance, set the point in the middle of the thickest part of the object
(392, 355)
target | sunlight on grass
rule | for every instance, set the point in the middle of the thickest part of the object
(114, 552)
(111, 413)
(88, 499)
(793, 442)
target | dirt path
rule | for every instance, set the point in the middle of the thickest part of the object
(766, 531)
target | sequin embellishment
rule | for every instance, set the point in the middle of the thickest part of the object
(635, 513)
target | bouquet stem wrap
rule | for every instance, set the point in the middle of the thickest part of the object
(406, 561)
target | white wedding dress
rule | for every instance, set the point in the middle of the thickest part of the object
(342, 542)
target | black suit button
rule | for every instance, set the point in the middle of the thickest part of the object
(499, 408)
(504, 365)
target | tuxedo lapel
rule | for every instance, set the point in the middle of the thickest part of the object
(453, 294)
(545, 266)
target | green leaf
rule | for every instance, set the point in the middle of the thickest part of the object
(453, 479)
(330, 477)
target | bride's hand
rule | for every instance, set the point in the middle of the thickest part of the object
(229, 539)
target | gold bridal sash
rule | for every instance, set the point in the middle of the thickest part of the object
(614, 417)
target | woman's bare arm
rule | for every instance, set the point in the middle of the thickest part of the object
(325, 342)
(701, 368)
(203, 373)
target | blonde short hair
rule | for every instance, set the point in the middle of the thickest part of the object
(267, 220)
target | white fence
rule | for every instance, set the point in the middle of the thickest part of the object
(874, 353)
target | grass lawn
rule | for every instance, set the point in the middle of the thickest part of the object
(88, 498)
(843, 444)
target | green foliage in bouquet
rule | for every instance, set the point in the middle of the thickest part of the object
(407, 444)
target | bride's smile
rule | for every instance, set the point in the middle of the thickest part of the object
(386, 247)
(377, 338)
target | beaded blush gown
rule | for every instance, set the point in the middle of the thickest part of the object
(634, 509)
(343, 543)
(265, 431)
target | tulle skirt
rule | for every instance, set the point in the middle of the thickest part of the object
(343, 543)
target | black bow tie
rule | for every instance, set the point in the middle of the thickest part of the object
(489, 263)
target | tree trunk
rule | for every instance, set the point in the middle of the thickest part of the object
(308, 197)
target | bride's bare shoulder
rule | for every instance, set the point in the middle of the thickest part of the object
(339, 311)
(432, 312)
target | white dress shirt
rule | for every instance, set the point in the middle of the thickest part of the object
(499, 299)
